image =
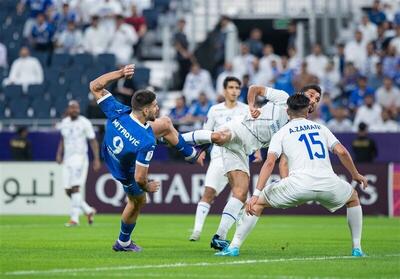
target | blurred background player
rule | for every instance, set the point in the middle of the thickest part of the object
(72, 153)
(215, 180)
(306, 145)
(20, 145)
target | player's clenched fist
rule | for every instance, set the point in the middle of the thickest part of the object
(153, 186)
(250, 205)
(128, 71)
(255, 112)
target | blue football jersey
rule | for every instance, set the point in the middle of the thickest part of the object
(127, 142)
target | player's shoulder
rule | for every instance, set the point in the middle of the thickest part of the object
(84, 120)
(217, 107)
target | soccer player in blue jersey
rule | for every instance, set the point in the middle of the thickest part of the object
(129, 144)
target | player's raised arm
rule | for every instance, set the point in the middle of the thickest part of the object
(347, 162)
(98, 85)
(254, 92)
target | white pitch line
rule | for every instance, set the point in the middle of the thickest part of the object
(174, 265)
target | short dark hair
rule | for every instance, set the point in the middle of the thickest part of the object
(231, 78)
(142, 98)
(315, 87)
(297, 102)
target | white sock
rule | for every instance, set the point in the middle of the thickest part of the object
(124, 244)
(85, 207)
(354, 219)
(229, 216)
(198, 137)
(201, 214)
(76, 200)
(247, 224)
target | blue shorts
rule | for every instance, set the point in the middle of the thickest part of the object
(133, 189)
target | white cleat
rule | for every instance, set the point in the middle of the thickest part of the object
(195, 236)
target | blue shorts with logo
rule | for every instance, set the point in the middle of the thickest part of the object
(132, 189)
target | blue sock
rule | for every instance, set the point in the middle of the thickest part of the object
(185, 149)
(126, 230)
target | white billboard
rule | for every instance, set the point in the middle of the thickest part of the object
(32, 188)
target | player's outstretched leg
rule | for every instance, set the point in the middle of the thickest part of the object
(203, 207)
(128, 223)
(76, 200)
(354, 219)
(89, 211)
(163, 128)
(200, 137)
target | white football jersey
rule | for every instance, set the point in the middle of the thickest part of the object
(306, 145)
(75, 135)
(218, 115)
(273, 116)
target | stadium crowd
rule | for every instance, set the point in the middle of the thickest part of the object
(63, 44)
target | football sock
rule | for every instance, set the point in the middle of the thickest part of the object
(201, 214)
(125, 234)
(229, 216)
(85, 207)
(247, 224)
(76, 200)
(185, 149)
(354, 219)
(198, 137)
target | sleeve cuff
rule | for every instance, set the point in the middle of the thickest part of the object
(267, 91)
(141, 164)
(103, 98)
(333, 145)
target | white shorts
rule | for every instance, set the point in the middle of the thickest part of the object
(215, 176)
(333, 192)
(74, 171)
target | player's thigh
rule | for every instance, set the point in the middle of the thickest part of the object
(338, 192)
(285, 194)
(235, 159)
(161, 126)
(215, 176)
(78, 171)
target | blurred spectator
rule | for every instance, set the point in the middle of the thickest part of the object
(183, 55)
(369, 64)
(122, 41)
(382, 41)
(139, 23)
(317, 61)
(355, 51)
(330, 81)
(62, 18)
(3, 56)
(107, 10)
(356, 98)
(42, 34)
(180, 115)
(304, 77)
(199, 109)
(339, 59)
(369, 113)
(255, 43)
(368, 30)
(243, 63)
(375, 14)
(349, 80)
(395, 42)
(388, 96)
(244, 89)
(70, 40)
(20, 145)
(340, 123)
(266, 60)
(85, 9)
(231, 38)
(390, 61)
(292, 31)
(35, 7)
(198, 80)
(387, 125)
(325, 108)
(364, 148)
(25, 70)
(396, 19)
(258, 76)
(220, 79)
(123, 90)
(316, 117)
(294, 60)
(95, 39)
(375, 80)
(284, 79)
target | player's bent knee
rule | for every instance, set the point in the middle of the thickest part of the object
(354, 200)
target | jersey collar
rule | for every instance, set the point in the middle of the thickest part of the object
(138, 122)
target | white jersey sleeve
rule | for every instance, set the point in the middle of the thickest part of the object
(89, 131)
(276, 96)
(330, 137)
(275, 146)
(210, 123)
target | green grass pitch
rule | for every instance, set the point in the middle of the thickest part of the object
(279, 247)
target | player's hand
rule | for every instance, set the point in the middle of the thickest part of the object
(96, 164)
(59, 159)
(201, 158)
(152, 186)
(254, 112)
(361, 180)
(128, 71)
(257, 157)
(250, 205)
